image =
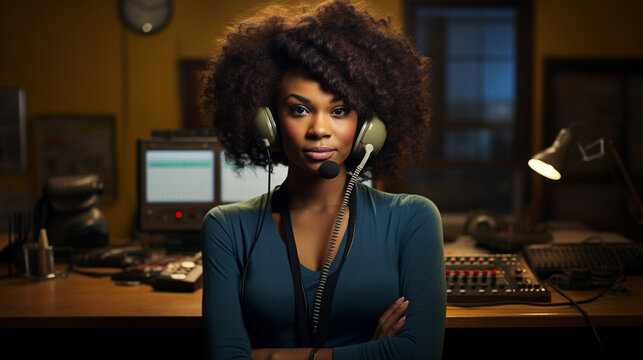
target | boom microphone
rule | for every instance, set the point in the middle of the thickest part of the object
(329, 169)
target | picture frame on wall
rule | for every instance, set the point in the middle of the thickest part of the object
(600, 98)
(67, 145)
(13, 128)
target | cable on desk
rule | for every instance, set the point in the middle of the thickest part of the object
(586, 316)
(617, 256)
(570, 301)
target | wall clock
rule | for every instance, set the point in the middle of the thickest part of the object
(145, 16)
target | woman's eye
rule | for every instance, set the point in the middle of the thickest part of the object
(339, 111)
(298, 110)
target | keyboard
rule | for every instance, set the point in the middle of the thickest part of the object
(549, 259)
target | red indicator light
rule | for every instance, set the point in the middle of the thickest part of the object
(178, 214)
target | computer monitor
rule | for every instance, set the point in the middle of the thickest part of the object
(176, 183)
(181, 179)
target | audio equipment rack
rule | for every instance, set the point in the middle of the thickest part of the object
(492, 278)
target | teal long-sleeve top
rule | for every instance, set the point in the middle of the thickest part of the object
(397, 251)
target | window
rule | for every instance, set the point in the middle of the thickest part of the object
(479, 145)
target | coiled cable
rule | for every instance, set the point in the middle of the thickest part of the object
(323, 278)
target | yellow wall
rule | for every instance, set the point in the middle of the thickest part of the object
(582, 29)
(75, 57)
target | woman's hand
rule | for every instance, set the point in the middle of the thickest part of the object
(262, 354)
(392, 320)
(290, 354)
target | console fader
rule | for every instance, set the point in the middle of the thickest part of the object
(492, 278)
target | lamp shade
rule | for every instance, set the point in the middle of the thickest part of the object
(549, 162)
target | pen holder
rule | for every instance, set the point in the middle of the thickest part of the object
(39, 262)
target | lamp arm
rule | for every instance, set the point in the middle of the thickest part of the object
(628, 180)
(601, 151)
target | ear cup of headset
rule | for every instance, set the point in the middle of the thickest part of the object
(265, 129)
(372, 132)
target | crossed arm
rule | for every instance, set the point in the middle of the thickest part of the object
(387, 325)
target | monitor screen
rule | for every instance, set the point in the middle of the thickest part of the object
(175, 176)
(248, 182)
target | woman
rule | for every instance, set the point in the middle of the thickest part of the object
(322, 79)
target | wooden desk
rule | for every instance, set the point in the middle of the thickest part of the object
(95, 313)
(80, 301)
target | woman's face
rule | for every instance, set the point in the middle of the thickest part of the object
(315, 125)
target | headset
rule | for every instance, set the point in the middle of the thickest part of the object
(266, 132)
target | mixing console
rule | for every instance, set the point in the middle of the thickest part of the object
(492, 278)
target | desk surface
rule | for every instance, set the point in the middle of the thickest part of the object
(80, 301)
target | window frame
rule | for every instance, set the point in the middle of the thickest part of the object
(521, 147)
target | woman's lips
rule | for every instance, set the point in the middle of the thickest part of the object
(319, 153)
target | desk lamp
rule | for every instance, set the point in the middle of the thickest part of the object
(550, 161)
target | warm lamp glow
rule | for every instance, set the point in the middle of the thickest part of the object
(549, 161)
(544, 169)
